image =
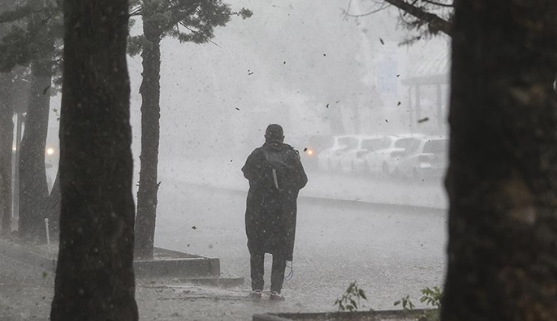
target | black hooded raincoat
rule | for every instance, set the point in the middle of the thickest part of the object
(271, 211)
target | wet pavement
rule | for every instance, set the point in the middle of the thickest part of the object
(389, 251)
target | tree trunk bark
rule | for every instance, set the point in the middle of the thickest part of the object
(33, 188)
(150, 131)
(6, 140)
(502, 178)
(95, 277)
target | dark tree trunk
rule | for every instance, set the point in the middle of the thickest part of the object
(6, 139)
(150, 129)
(95, 277)
(502, 178)
(33, 188)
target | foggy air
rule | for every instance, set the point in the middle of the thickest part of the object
(362, 98)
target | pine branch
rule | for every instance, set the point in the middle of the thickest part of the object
(178, 14)
(434, 22)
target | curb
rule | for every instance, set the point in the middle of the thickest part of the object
(337, 201)
(356, 315)
(142, 271)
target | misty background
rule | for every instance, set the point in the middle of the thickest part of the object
(305, 65)
(314, 69)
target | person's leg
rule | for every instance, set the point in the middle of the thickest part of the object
(257, 271)
(277, 274)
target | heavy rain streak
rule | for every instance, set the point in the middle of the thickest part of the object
(360, 93)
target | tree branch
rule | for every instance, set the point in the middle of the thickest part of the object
(440, 4)
(178, 15)
(346, 14)
(434, 22)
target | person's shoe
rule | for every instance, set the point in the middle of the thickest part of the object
(255, 294)
(275, 296)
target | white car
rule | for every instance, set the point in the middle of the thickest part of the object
(384, 161)
(412, 163)
(329, 159)
(432, 161)
(353, 160)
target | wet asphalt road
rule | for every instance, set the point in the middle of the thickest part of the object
(391, 252)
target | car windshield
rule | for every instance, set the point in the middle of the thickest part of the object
(438, 146)
(374, 144)
(404, 143)
(348, 142)
(319, 142)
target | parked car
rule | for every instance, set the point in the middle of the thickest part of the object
(353, 160)
(329, 159)
(432, 162)
(427, 155)
(383, 161)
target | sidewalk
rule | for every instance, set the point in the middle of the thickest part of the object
(226, 173)
(26, 293)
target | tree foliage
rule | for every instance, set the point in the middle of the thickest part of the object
(24, 42)
(185, 20)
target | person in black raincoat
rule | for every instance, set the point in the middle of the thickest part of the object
(275, 175)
